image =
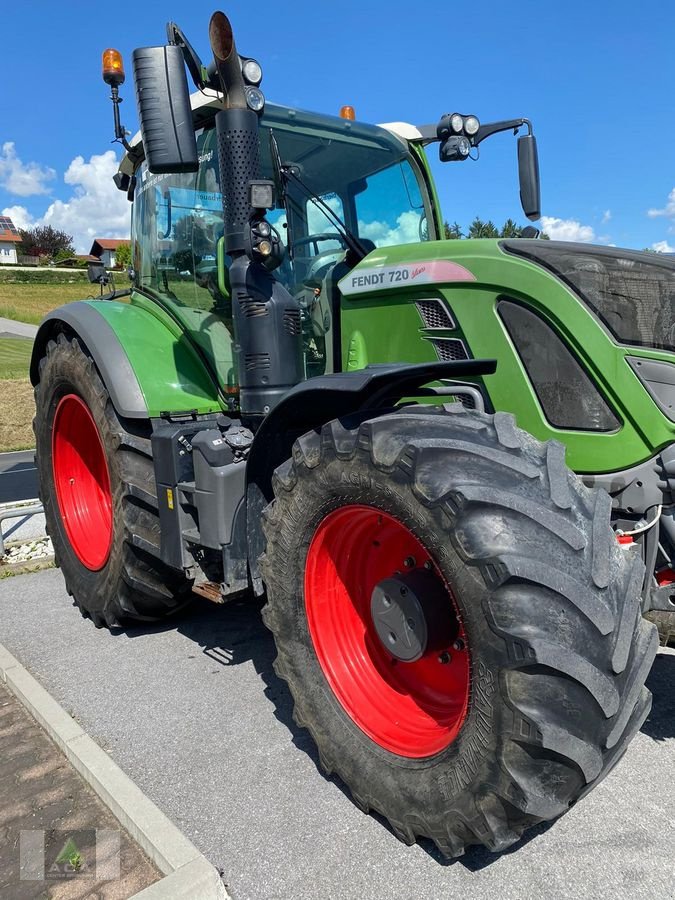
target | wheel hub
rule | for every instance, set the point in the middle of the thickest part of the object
(411, 615)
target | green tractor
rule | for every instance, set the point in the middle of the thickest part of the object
(307, 393)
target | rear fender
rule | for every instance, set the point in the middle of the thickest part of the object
(147, 368)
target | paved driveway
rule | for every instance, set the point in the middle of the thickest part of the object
(195, 715)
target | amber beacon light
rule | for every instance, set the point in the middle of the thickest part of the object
(347, 112)
(113, 68)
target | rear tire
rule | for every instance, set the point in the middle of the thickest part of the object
(547, 599)
(106, 537)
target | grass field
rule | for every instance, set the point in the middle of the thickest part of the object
(26, 303)
(17, 409)
(14, 358)
(16, 395)
(31, 302)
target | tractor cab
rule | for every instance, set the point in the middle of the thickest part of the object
(370, 178)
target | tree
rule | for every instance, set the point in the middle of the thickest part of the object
(123, 256)
(480, 229)
(452, 232)
(43, 240)
(510, 230)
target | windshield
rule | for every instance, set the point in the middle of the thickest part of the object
(363, 173)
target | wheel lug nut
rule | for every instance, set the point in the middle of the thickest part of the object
(444, 657)
(427, 564)
(458, 645)
(409, 562)
(403, 591)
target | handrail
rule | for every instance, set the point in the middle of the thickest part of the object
(16, 512)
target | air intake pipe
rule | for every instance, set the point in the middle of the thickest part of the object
(266, 318)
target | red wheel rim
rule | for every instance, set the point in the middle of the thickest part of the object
(413, 709)
(82, 482)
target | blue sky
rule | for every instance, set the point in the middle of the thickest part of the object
(596, 78)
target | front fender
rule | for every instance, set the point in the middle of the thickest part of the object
(312, 403)
(147, 367)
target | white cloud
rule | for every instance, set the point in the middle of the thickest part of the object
(407, 230)
(606, 216)
(96, 208)
(668, 210)
(19, 216)
(23, 179)
(663, 247)
(567, 229)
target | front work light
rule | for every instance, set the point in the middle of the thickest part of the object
(471, 125)
(252, 71)
(261, 194)
(455, 147)
(255, 99)
(456, 123)
(113, 69)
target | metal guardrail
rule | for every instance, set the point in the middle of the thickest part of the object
(33, 508)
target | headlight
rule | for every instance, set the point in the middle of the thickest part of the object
(264, 248)
(456, 123)
(252, 71)
(471, 125)
(263, 228)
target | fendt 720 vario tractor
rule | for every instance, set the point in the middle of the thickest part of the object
(308, 393)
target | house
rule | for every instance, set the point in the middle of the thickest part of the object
(9, 241)
(77, 260)
(105, 248)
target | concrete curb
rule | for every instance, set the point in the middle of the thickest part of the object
(188, 874)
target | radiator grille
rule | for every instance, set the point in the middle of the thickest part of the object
(434, 314)
(449, 349)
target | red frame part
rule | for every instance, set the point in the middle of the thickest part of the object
(412, 709)
(82, 482)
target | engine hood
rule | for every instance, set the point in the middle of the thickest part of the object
(632, 292)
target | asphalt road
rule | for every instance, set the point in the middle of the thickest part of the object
(18, 476)
(195, 715)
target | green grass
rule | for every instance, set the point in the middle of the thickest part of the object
(31, 302)
(14, 358)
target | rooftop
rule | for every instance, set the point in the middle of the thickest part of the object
(101, 244)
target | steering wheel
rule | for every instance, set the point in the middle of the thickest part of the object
(316, 239)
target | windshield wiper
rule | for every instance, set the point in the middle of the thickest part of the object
(284, 174)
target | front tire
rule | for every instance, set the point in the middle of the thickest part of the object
(98, 489)
(546, 608)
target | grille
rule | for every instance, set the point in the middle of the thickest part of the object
(449, 349)
(434, 314)
(467, 401)
(251, 308)
(292, 322)
(257, 361)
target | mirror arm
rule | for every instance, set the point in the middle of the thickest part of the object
(429, 133)
(194, 64)
(486, 131)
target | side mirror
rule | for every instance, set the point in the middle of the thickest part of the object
(164, 110)
(528, 173)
